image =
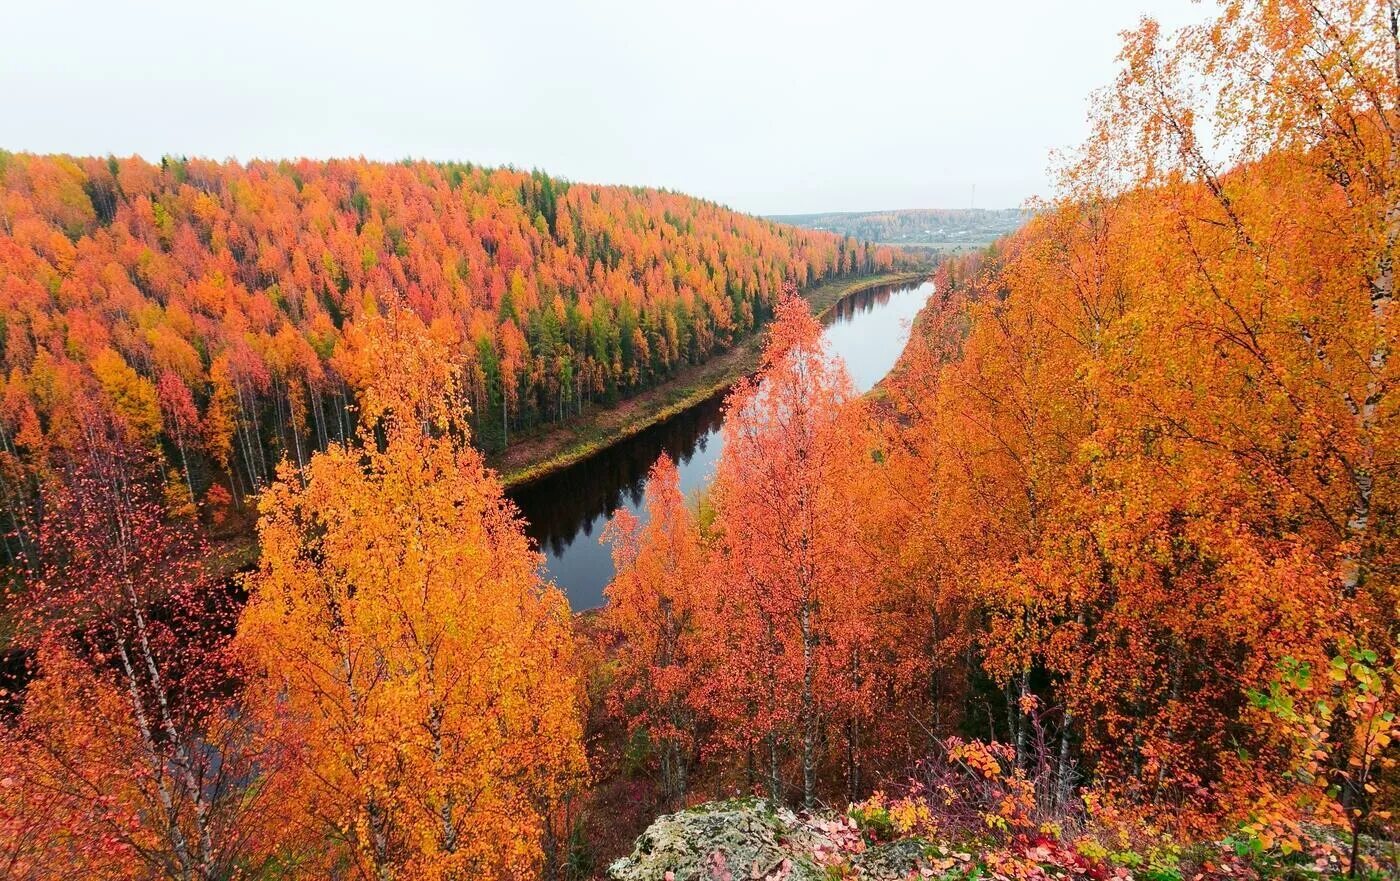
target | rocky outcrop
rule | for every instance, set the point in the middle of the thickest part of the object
(757, 839)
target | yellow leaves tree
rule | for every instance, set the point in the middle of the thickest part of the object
(409, 654)
(132, 396)
(221, 420)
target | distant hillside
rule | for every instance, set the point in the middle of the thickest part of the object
(231, 299)
(925, 227)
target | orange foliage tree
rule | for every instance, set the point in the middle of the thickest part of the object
(755, 631)
(1137, 467)
(653, 606)
(407, 655)
(1150, 440)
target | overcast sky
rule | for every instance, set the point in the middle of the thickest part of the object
(770, 107)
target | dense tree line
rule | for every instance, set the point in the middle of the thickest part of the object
(219, 307)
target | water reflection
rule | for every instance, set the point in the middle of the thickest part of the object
(567, 511)
(574, 502)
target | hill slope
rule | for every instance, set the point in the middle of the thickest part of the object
(217, 308)
(944, 228)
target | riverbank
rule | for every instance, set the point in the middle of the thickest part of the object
(532, 458)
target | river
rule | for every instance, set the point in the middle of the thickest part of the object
(567, 511)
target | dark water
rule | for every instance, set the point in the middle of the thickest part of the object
(567, 511)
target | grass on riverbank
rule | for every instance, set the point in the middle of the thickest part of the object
(534, 457)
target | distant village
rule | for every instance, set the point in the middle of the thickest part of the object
(940, 228)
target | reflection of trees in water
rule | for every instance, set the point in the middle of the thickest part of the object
(560, 507)
(860, 302)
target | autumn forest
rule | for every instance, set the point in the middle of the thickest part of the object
(1102, 580)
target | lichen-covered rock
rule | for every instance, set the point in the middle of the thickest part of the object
(726, 841)
(749, 839)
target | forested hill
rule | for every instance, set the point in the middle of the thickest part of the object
(1103, 583)
(943, 227)
(217, 308)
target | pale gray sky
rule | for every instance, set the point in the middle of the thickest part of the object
(770, 107)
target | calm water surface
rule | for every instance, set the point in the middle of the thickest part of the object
(566, 512)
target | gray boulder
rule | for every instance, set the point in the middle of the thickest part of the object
(749, 839)
(738, 839)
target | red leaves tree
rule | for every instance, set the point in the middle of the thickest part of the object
(788, 609)
(654, 606)
(129, 756)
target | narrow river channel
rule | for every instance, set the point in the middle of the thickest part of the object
(567, 511)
